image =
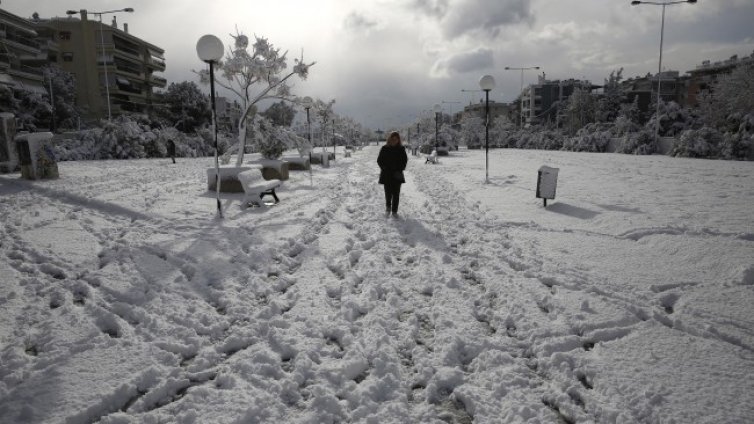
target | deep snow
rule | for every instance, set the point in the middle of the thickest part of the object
(628, 299)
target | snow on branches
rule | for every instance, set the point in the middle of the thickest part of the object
(254, 73)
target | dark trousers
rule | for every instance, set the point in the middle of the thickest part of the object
(392, 197)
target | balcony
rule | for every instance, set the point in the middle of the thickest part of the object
(158, 64)
(158, 81)
(26, 72)
(127, 55)
(21, 43)
(128, 68)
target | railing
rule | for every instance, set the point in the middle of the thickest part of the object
(128, 54)
(126, 67)
(26, 71)
(156, 62)
(22, 40)
(158, 80)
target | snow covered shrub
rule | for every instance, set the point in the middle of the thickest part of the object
(546, 140)
(639, 143)
(623, 126)
(267, 139)
(122, 139)
(81, 145)
(591, 138)
(674, 119)
(701, 143)
(131, 137)
(736, 145)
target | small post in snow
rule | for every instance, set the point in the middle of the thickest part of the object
(547, 182)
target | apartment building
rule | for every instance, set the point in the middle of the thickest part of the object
(539, 100)
(228, 114)
(22, 56)
(496, 110)
(115, 71)
(706, 75)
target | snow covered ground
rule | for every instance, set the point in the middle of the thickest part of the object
(628, 300)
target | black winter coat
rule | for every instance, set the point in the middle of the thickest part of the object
(390, 160)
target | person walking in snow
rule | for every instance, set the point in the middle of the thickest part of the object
(392, 161)
(171, 150)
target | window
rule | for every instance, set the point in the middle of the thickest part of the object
(67, 56)
(65, 35)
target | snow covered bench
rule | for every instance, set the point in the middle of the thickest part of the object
(432, 158)
(256, 187)
(297, 163)
(228, 178)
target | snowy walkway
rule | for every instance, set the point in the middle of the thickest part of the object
(133, 305)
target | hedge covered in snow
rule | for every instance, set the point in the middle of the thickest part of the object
(129, 138)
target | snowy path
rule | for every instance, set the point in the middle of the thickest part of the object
(127, 303)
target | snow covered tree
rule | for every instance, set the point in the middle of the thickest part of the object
(729, 100)
(674, 119)
(472, 131)
(280, 114)
(185, 107)
(608, 107)
(323, 114)
(63, 86)
(579, 110)
(255, 73)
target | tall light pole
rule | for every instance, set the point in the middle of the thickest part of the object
(451, 108)
(308, 105)
(210, 50)
(437, 109)
(487, 83)
(659, 66)
(522, 69)
(470, 91)
(102, 43)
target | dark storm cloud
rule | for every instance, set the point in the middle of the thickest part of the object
(358, 22)
(479, 59)
(732, 24)
(486, 16)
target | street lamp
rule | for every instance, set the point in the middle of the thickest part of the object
(308, 105)
(437, 109)
(210, 50)
(470, 91)
(102, 42)
(451, 108)
(487, 83)
(659, 66)
(508, 68)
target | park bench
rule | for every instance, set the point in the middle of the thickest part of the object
(256, 187)
(432, 158)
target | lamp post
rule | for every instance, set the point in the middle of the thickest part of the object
(487, 83)
(308, 105)
(469, 91)
(659, 66)
(508, 68)
(210, 50)
(451, 108)
(437, 109)
(323, 132)
(102, 43)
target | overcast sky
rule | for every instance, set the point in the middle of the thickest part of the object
(385, 61)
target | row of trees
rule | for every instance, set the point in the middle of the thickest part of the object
(722, 126)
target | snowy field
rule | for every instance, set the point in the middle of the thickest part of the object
(628, 300)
